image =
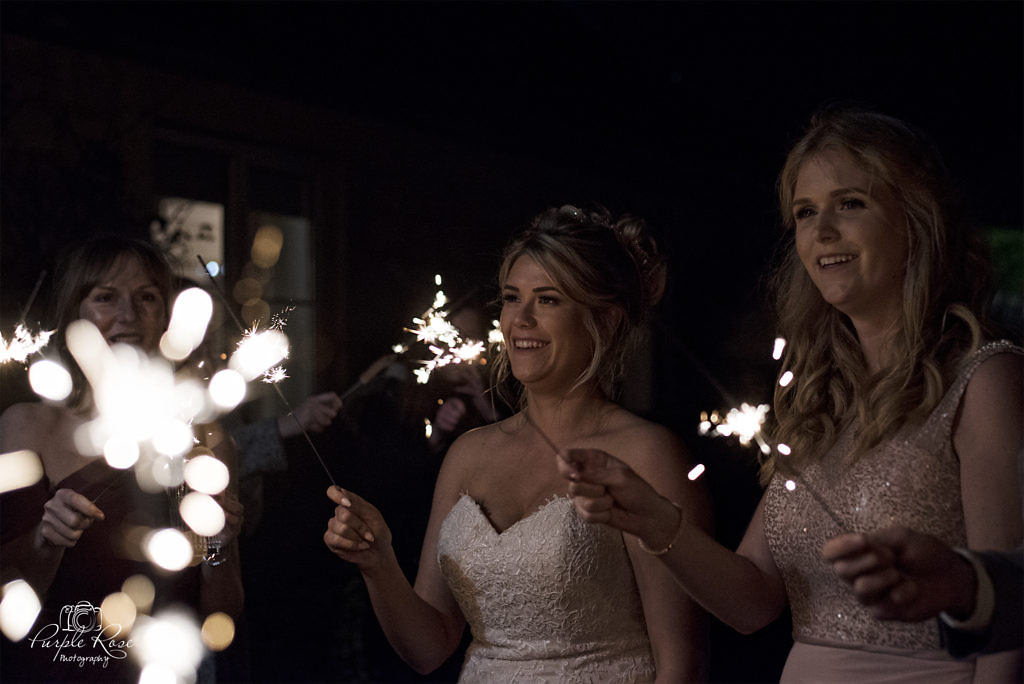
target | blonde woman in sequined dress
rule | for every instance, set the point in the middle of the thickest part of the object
(901, 413)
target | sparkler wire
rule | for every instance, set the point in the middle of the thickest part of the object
(713, 381)
(540, 432)
(821, 502)
(32, 297)
(280, 394)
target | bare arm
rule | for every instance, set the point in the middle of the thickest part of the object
(36, 555)
(424, 625)
(676, 625)
(988, 438)
(747, 592)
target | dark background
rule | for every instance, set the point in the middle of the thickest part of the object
(429, 131)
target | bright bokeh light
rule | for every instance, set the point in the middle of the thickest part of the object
(696, 472)
(266, 246)
(118, 610)
(790, 485)
(168, 471)
(213, 268)
(189, 318)
(49, 380)
(218, 631)
(783, 449)
(227, 389)
(258, 352)
(190, 400)
(19, 469)
(158, 674)
(19, 609)
(780, 345)
(206, 474)
(173, 437)
(786, 378)
(201, 513)
(121, 452)
(169, 549)
(169, 641)
(141, 591)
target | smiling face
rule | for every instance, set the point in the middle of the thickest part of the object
(848, 237)
(127, 306)
(545, 335)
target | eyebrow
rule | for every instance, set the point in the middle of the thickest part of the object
(834, 193)
(544, 288)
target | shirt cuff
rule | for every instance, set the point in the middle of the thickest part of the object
(984, 599)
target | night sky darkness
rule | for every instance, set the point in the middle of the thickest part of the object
(677, 112)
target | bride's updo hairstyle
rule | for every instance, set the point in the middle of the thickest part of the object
(611, 267)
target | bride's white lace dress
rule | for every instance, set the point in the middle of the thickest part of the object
(551, 598)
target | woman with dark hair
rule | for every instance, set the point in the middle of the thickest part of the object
(901, 411)
(69, 535)
(548, 598)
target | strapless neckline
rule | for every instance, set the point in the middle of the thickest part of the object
(525, 520)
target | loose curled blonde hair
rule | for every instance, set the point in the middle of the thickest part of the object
(610, 266)
(943, 294)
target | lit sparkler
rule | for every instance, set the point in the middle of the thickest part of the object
(23, 344)
(443, 339)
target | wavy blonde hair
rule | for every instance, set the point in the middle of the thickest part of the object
(610, 266)
(944, 289)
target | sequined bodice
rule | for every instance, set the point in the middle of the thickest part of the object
(912, 480)
(552, 598)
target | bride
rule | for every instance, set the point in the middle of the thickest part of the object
(547, 596)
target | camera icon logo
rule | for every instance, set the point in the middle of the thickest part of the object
(82, 617)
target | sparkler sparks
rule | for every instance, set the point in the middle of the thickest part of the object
(744, 423)
(23, 344)
(442, 338)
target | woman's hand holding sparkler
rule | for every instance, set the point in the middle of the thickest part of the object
(605, 490)
(315, 414)
(66, 516)
(357, 533)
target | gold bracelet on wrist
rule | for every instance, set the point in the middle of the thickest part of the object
(662, 552)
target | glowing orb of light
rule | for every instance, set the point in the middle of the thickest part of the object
(173, 437)
(157, 674)
(121, 452)
(206, 474)
(227, 389)
(696, 472)
(19, 609)
(258, 352)
(783, 449)
(202, 514)
(428, 429)
(141, 591)
(780, 344)
(189, 318)
(786, 378)
(790, 485)
(169, 549)
(19, 469)
(218, 631)
(213, 268)
(168, 641)
(118, 610)
(190, 400)
(168, 471)
(49, 380)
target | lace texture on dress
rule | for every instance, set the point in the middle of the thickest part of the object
(552, 598)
